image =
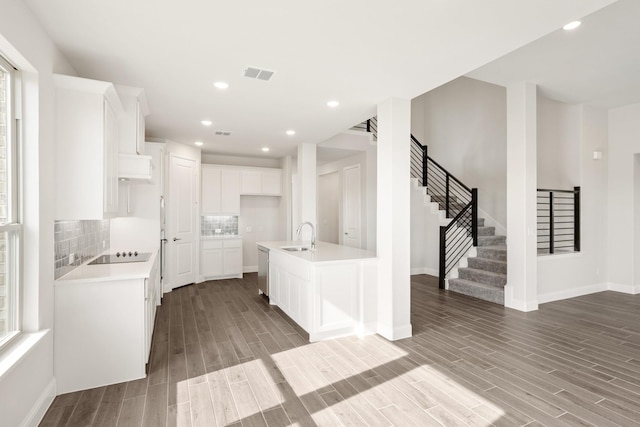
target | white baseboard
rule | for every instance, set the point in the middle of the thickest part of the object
(572, 293)
(425, 270)
(516, 304)
(250, 269)
(625, 289)
(39, 409)
(397, 333)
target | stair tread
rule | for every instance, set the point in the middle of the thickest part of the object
(499, 261)
(496, 247)
(475, 270)
(476, 284)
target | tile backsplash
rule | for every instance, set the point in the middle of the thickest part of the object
(81, 238)
(227, 224)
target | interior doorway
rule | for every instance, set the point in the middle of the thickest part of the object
(352, 206)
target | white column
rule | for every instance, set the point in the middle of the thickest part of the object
(521, 291)
(393, 219)
(306, 188)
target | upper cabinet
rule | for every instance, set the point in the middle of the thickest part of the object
(261, 182)
(220, 191)
(134, 102)
(87, 117)
(133, 165)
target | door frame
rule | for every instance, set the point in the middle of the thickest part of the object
(345, 204)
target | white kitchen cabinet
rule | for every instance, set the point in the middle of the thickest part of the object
(261, 182)
(220, 191)
(87, 116)
(221, 258)
(132, 126)
(103, 327)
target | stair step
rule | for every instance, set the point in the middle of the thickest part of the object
(481, 222)
(477, 290)
(482, 276)
(442, 199)
(492, 252)
(486, 231)
(491, 240)
(488, 264)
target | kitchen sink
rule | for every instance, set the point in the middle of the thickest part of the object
(295, 248)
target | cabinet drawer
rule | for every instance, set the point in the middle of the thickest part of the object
(233, 243)
(211, 244)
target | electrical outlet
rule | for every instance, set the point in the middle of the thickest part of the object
(72, 258)
(104, 244)
(218, 230)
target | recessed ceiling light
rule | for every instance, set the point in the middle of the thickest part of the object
(198, 143)
(333, 104)
(572, 25)
(265, 149)
(221, 85)
(207, 122)
(291, 132)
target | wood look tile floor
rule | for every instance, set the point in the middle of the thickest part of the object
(222, 357)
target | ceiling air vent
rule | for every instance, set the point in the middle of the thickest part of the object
(223, 132)
(258, 73)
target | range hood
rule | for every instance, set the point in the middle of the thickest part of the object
(134, 167)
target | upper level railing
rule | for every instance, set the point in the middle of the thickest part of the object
(370, 125)
(558, 221)
(458, 201)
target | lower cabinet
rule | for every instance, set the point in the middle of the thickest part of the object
(103, 330)
(221, 259)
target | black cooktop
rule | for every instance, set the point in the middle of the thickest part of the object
(121, 257)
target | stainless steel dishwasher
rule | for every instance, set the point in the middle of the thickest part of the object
(263, 270)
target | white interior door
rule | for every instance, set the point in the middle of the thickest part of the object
(329, 207)
(182, 226)
(351, 204)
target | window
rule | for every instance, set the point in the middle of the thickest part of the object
(10, 227)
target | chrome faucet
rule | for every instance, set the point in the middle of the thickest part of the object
(313, 233)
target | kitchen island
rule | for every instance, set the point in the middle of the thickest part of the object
(330, 291)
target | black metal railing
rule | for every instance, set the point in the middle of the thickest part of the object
(458, 237)
(370, 125)
(458, 201)
(558, 221)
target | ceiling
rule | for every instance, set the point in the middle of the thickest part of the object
(597, 64)
(358, 52)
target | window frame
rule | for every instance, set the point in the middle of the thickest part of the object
(13, 227)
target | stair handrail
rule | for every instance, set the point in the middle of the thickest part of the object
(461, 233)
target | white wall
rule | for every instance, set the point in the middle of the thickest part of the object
(426, 220)
(559, 130)
(262, 215)
(565, 276)
(28, 387)
(624, 142)
(222, 159)
(463, 123)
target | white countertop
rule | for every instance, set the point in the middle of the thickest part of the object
(109, 272)
(324, 252)
(220, 237)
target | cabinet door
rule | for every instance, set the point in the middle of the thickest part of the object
(140, 140)
(211, 262)
(230, 191)
(272, 183)
(232, 261)
(251, 182)
(211, 191)
(110, 159)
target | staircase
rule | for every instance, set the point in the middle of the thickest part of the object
(485, 275)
